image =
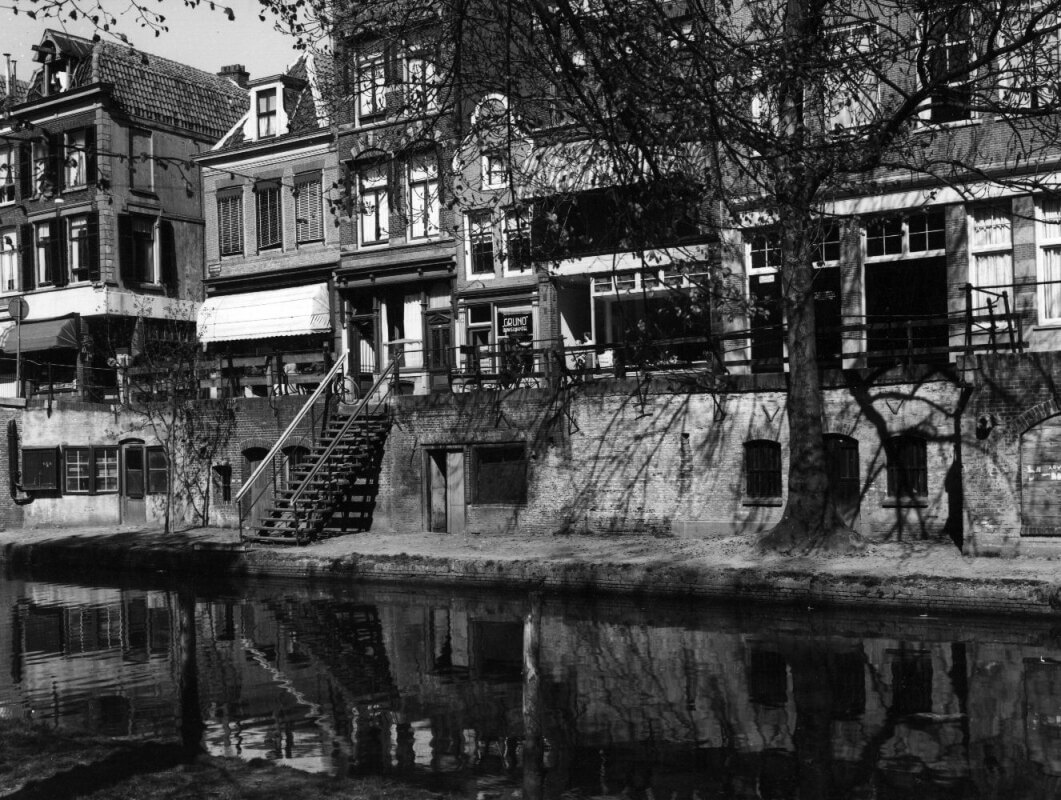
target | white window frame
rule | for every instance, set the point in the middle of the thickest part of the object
(154, 278)
(1048, 239)
(848, 109)
(75, 159)
(74, 249)
(494, 170)
(749, 249)
(949, 41)
(421, 83)
(990, 234)
(906, 252)
(8, 160)
(43, 253)
(9, 260)
(271, 116)
(514, 220)
(1023, 84)
(371, 87)
(373, 205)
(480, 224)
(424, 205)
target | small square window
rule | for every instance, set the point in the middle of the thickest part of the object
(500, 474)
(907, 467)
(266, 113)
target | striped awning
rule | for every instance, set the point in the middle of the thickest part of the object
(294, 311)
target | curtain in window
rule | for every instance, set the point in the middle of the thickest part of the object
(1051, 277)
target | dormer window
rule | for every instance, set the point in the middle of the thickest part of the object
(266, 105)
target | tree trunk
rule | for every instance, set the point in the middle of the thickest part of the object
(810, 519)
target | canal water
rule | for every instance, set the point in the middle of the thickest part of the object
(654, 700)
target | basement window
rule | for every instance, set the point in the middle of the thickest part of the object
(500, 474)
(762, 472)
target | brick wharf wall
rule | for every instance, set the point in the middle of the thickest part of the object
(607, 458)
(1012, 397)
(259, 423)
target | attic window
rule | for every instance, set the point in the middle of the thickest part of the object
(266, 105)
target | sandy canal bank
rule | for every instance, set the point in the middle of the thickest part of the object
(926, 577)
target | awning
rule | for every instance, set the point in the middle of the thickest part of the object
(46, 334)
(296, 311)
(579, 166)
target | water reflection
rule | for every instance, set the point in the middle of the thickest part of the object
(488, 696)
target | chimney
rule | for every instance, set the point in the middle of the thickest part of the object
(7, 74)
(237, 74)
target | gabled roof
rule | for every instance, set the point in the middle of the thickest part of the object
(149, 87)
(305, 107)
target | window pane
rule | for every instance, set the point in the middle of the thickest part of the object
(74, 158)
(106, 469)
(927, 232)
(77, 470)
(8, 260)
(884, 237)
(157, 472)
(78, 254)
(7, 174)
(1051, 278)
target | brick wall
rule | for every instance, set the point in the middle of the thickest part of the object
(1011, 396)
(10, 511)
(610, 458)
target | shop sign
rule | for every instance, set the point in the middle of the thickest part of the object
(515, 323)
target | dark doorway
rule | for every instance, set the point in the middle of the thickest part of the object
(841, 459)
(767, 332)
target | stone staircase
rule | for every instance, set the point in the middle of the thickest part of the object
(334, 490)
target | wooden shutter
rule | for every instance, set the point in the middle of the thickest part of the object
(168, 257)
(56, 161)
(230, 222)
(91, 162)
(25, 170)
(309, 223)
(93, 248)
(58, 271)
(26, 251)
(125, 250)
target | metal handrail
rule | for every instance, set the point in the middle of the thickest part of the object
(338, 437)
(313, 398)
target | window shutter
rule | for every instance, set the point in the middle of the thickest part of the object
(26, 251)
(125, 250)
(56, 161)
(93, 248)
(57, 247)
(91, 162)
(168, 257)
(25, 169)
(230, 223)
(309, 224)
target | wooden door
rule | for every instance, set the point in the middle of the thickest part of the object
(134, 478)
(455, 522)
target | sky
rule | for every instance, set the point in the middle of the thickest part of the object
(197, 36)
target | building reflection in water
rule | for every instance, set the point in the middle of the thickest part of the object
(428, 688)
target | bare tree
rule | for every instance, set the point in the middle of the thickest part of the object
(159, 385)
(765, 113)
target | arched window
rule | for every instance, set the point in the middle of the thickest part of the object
(907, 466)
(762, 469)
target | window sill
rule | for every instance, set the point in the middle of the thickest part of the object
(373, 245)
(1050, 325)
(147, 194)
(927, 125)
(770, 502)
(310, 243)
(904, 502)
(272, 248)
